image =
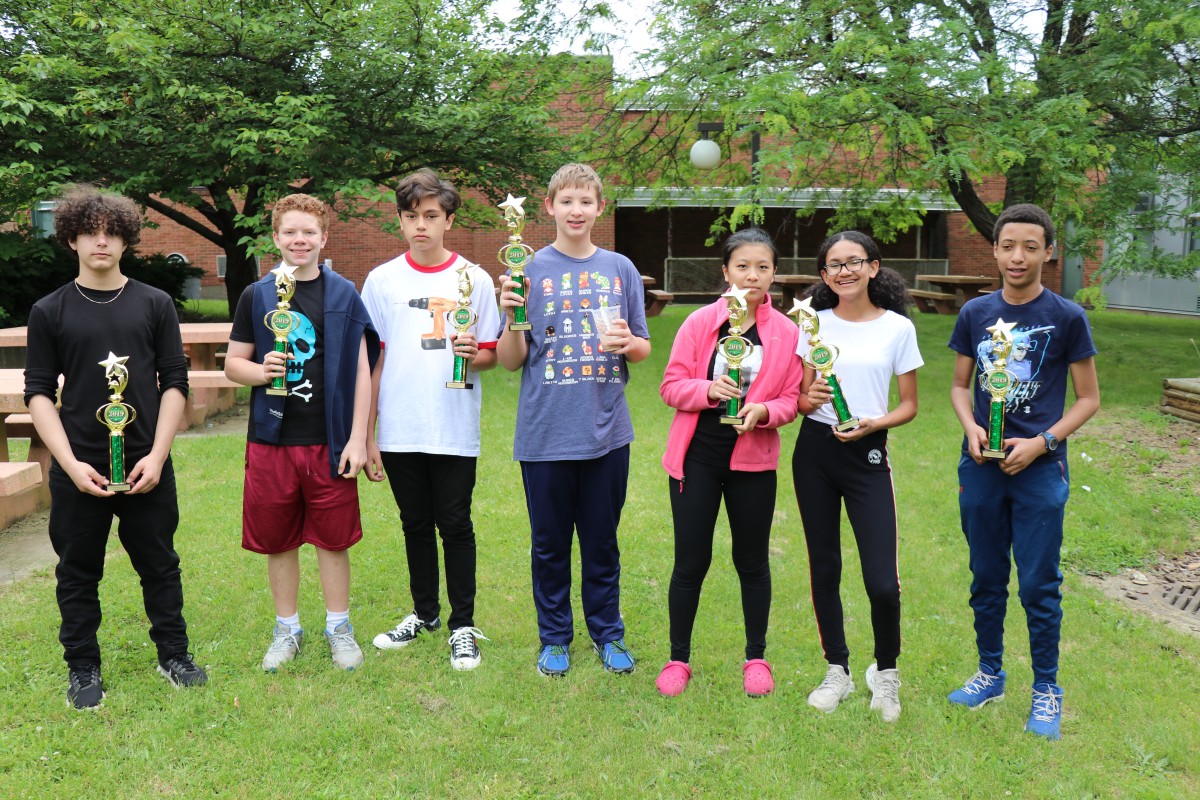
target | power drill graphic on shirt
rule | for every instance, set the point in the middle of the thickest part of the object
(437, 307)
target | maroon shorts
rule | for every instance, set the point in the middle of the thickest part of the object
(290, 498)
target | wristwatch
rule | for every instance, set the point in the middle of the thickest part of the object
(1051, 441)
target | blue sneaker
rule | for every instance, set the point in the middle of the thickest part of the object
(616, 657)
(979, 691)
(1045, 718)
(554, 660)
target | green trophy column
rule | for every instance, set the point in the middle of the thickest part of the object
(516, 257)
(115, 415)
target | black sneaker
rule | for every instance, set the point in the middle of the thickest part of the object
(181, 671)
(406, 632)
(85, 690)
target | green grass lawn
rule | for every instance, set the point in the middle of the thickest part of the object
(406, 725)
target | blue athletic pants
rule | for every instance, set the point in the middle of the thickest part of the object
(564, 497)
(1020, 514)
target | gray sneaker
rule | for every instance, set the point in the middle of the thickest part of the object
(285, 646)
(345, 651)
(833, 690)
(885, 691)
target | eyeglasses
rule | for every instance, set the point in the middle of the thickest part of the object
(853, 265)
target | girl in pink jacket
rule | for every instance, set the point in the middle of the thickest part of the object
(707, 460)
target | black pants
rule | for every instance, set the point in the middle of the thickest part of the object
(79, 527)
(750, 506)
(434, 491)
(825, 472)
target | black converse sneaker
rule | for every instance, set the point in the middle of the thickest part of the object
(85, 690)
(464, 649)
(406, 632)
(181, 671)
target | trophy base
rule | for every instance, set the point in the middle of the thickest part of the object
(119, 487)
(998, 455)
(520, 326)
(848, 425)
(277, 392)
(459, 385)
(732, 420)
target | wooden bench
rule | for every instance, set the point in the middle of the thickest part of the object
(22, 490)
(930, 302)
(209, 379)
(656, 301)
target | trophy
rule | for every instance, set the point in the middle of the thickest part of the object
(997, 380)
(282, 321)
(735, 348)
(516, 256)
(462, 317)
(821, 357)
(115, 415)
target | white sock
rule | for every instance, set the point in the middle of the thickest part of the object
(335, 618)
(293, 622)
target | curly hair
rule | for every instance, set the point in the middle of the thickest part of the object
(85, 209)
(300, 202)
(426, 183)
(886, 290)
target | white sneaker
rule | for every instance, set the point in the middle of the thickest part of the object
(885, 691)
(285, 646)
(836, 687)
(345, 651)
(464, 650)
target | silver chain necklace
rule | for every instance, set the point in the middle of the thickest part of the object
(79, 289)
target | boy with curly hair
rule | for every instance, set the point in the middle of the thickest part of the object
(104, 321)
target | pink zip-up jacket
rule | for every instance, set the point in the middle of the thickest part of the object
(777, 385)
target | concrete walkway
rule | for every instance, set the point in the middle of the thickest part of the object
(25, 545)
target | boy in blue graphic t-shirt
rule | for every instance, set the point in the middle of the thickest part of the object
(1016, 505)
(573, 426)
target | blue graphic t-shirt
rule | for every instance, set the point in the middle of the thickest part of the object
(304, 406)
(572, 404)
(1051, 333)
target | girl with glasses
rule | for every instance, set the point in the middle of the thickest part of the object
(863, 310)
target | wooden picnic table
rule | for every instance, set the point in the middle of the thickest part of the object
(12, 401)
(788, 284)
(972, 286)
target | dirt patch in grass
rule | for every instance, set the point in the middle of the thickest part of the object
(1169, 591)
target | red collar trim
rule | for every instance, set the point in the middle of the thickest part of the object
(438, 268)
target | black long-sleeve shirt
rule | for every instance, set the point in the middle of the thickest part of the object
(70, 336)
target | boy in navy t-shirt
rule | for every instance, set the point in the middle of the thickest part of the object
(1017, 504)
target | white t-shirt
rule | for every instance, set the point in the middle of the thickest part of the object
(417, 413)
(870, 354)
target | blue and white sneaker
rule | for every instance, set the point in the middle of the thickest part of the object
(979, 691)
(553, 660)
(1045, 718)
(616, 657)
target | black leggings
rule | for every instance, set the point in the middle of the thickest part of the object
(825, 472)
(750, 505)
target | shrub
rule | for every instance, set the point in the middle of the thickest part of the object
(32, 267)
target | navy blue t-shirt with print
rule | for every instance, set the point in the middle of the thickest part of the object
(1051, 333)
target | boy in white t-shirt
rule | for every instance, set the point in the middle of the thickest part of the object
(426, 434)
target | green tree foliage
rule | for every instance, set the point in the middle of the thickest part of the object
(31, 267)
(221, 106)
(1081, 105)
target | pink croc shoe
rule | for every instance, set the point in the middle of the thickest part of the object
(757, 678)
(673, 679)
